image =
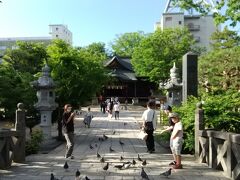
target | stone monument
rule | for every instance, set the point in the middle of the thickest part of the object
(173, 87)
(46, 100)
(190, 75)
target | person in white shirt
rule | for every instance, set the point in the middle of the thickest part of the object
(116, 109)
(176, 140)
(149, 118)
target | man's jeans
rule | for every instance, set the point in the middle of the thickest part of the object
(70, 143)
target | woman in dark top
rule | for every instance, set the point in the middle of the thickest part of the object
(68, 128)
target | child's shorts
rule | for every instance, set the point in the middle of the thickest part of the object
(176, 146)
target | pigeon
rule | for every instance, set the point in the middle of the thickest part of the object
(144, 174)
(77, 174)
(102, 160)
(105, 137)
(124, 123)
(127, 165)
(167, 173)
(121, 158)
(98, 155)
(139, 158)
(121, 143)
(53, 177)
(133, 162)
(144, 163)
(119, 166)
(100, 139)
(65, 166)
(90, 146)
(110, 149)
(86, 178)
(105, 168)
(96, 145)
(114, 132)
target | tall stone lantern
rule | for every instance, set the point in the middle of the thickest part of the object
(46, 100)
(173, 87)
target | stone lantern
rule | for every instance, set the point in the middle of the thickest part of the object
(173, 87)
(46, 100)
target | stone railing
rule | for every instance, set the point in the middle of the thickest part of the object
(220, 150)
(12, 141)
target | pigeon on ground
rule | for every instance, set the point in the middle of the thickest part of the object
(119, 166)
(139, 158)
(133, 162)
(121, 143)
(121, 158)
(90, 146)
(110, 149)
(105, 168)
(53, 177)
(102, 160)
(98, 155)
(144, 163)
(144, 174)
(127, 165)
(105, 137)
(100, 139)
(167, 173)
(86, 178)
(77, 174)
(65, 166)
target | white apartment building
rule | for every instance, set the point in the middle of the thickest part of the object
(57, 31)
(201, 27)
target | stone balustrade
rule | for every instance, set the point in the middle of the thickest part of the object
(220, 150)
(12, 141)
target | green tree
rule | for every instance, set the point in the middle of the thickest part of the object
(227, 10)
(28, 57)
(225, 39)
(220, 69)
(156, 53)
(18, 70)
(125, 44)
(79, 72)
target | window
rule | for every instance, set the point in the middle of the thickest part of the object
(56, 35)
(168, 19)
(179, 22)
(56, 29)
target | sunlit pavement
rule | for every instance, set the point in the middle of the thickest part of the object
(126, 129)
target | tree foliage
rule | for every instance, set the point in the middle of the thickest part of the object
(125, 44)
(220, 69)
(225, 39)
(156, 53)
(226, 10)
(78, 72)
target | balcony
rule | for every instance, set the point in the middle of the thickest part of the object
(192, 27)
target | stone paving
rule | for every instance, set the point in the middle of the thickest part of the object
(40, 166)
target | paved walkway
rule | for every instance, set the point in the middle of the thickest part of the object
(40, 166)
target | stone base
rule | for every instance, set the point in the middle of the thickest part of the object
(49, 144)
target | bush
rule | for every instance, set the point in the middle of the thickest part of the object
(187, 115)
(33, 145)
(221, 112)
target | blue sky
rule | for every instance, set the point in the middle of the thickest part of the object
(89, 20)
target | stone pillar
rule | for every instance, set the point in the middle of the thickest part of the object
(20, 128)
(189, 75)
(199, 125)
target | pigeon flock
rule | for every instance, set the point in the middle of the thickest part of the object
(124, 163)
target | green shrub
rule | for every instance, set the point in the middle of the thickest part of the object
(33, 145)
(221, 112)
